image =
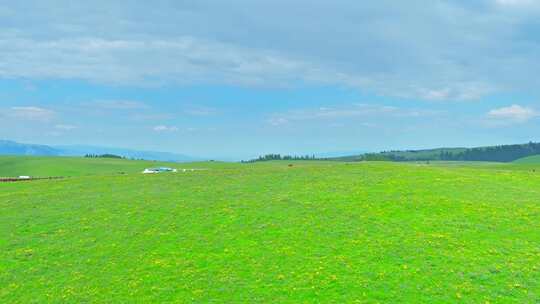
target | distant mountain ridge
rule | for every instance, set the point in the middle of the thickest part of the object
(501, 153)
(80, 150)
(8, 147)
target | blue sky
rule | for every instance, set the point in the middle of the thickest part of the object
(235, 79)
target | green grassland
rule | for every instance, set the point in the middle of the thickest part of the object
(12, 166)
(316, 232)
(535, 159)
(514, 166)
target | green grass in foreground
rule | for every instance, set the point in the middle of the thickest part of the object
(314, 232)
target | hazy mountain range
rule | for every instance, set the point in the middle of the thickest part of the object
(501, 153)
(14, 148)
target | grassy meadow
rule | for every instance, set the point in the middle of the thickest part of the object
(12, 166)
(529, 160)
(327, 232)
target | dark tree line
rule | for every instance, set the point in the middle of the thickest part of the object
(103, 156)
(270, 157)
(506, 153)
(381, 157)
(502, 153)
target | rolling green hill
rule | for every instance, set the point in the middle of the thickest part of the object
(328, 232)
(535, 159)
(502, 153)
(70, 166)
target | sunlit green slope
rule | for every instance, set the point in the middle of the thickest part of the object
(529, 160)
(69, 166)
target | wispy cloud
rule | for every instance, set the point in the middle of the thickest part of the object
(32, 113)
(184, 59)
(458, 92)
(512, 114)
(201, 111)
(364, 111)
(164, 128)
(64, 127)
(441, 53)
(277, 121)
(515, 2)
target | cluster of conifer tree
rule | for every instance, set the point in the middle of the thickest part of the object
(503, 153)
(102, 156)
(506, 153)
(269, 157)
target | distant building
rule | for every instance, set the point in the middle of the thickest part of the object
(158, 170)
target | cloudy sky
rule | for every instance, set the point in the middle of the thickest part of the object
(239, 78)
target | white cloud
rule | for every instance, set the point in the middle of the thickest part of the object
(201, 111)
(513, 113)
(458, 92)
(363, 111)
(164, 128)
(189, 60)
(32, 113)
(515, 2)
(65, 127)
(277, 121)
(436, 94)
(184, 59)
(437, 53)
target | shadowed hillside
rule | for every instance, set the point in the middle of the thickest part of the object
(502, 153)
